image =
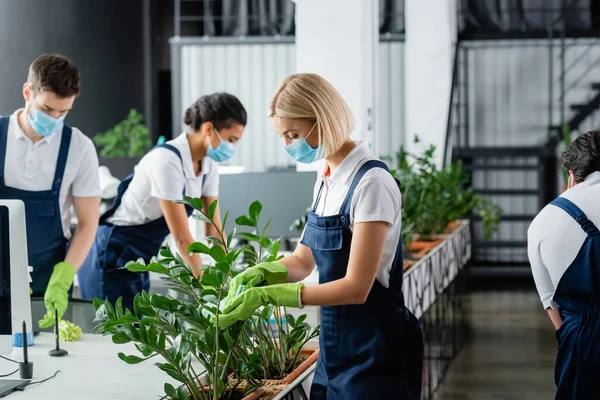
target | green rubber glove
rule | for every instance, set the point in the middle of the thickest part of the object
(242, 306)
(56, 296)
(272, 273)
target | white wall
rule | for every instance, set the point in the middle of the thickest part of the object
(342, 47)
(429, 53)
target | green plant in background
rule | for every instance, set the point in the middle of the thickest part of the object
(433, 197)
(129, 138)
(299, 224)
(567, 139)
(181, 331)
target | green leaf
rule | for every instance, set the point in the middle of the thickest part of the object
(166, 252)
(171, 371)
(130, 359)
(225, 220)
(97, 303)
(250, 237)
(120, 338)
(209, 278)
(144, 349)
(230, 237)
(265, 242)
(152, 267)
(255, 210)
(245, 221)
(170, 391)
(181, 393)
(224, 267)
(164, 303)
(218, 254)
(198, 247)
(162, 339)
(209, 292)
(212, 208)
(264, 231)
(215, 240)
(200, 217)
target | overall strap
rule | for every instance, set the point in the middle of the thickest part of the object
(3, 142)
(316, 203)
(125, 184)
(577, 214)
(345, 209)
(61, 161)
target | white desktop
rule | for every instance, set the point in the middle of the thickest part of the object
(15, 302)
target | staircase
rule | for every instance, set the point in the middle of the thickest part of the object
(522, 180)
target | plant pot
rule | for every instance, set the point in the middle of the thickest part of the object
(313, 354)
(452, 226)
(120, 167)
(408, 264)
(252, 396)
(292, 376)
(419, 245)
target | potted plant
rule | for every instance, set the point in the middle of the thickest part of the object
(434, 199)
(297, 226)
(121, 147)
(182, 331)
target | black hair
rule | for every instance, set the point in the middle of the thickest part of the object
(222, 109)
(583, 155)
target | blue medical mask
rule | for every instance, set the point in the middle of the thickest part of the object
(44, 124)
(223, 152)
(302, 152)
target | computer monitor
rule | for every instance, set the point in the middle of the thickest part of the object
(15, 303)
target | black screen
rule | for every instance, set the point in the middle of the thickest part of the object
(5, 312)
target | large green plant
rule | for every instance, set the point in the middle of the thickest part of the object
(433, 197)
(129, 138)
(181, 331)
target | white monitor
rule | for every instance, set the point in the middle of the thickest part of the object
(15, 303)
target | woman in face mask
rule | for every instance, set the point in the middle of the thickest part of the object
(371, 346)
(144, 212)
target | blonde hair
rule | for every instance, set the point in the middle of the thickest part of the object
(310, 96)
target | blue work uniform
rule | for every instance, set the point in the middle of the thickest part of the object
(102, 274)
(367, 351)
(577, 297)
(46, 241)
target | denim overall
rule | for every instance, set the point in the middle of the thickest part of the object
(46, 241)
(577, 296)
(368, 351)
(102, 274)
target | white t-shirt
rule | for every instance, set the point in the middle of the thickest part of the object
(30, 166)
(159, 176)
(554, 238)
(376, 198)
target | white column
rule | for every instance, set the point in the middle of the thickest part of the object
(338, 39)
(429, 54)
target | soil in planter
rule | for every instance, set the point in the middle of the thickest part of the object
(235, 395)
(272, 389)
(301, 358)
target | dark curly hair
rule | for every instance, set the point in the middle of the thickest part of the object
(222, 109)
(583, 155)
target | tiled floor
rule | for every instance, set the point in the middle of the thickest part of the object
(511, 355)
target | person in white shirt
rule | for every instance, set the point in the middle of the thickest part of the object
(52, 168)
(564, 252)
(144, 212)
(371, 345)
